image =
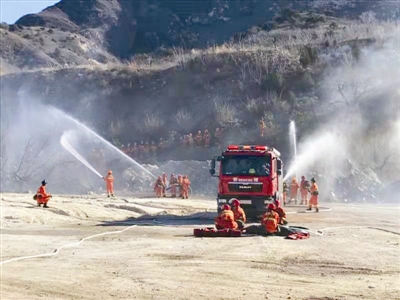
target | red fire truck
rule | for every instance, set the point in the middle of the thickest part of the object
(252, 174)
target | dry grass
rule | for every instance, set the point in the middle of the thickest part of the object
(273, 51)
(153, 122)
(225, 112)
(182, 117)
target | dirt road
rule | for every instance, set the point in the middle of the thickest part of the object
(160, 259)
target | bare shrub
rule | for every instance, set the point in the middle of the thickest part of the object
(20, 168)
(153, 122)
(180, 57)
(182, 117)
(272, 127)
(225, 112)
(116, 127)
(255, 106)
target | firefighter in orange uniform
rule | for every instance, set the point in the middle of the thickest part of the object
(109, 179)
(238, 212)
(270, 220)
(198, 138)
(285, 191)
(226, 219)
(41, 195)
(314, 195)
(158, 187)
(164, 179)
(294, 189)
(262, 128)
(206, 138)
(173, 182)
(281, 212)
(185, 187)
(180, 185)
(304, 186)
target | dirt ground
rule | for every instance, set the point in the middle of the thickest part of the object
(158, 258)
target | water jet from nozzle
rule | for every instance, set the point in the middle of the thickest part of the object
(106, 142)
(293, 144)
(67, 146)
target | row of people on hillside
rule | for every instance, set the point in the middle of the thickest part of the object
(144, 149)
(235, 218)
(178, 185)
(303, 189)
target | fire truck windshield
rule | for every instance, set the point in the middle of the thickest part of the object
(236, 165)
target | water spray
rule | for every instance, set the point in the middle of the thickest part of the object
(293, 143)
(105, 141)
(67, 146)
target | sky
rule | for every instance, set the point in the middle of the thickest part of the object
(12, 10)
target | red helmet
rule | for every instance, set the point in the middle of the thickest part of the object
(271, 206)
(109, 172)
(226, 207)
(303, 177)
(235, 202)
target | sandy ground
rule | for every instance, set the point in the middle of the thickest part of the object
(160, 259)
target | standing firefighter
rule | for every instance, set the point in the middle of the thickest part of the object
(304, 187)
(185, 187)
(41, 196)
(226, 219)
(173, 182)
(262, 128)
(180, 185)
(294, 189)
(109, 179)
(238, 212)
(314, 195)
(158, 187)
(164, 179)
(285, 190)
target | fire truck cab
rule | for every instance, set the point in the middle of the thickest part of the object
(252, 174)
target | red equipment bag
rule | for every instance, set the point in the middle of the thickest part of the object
(212, 232)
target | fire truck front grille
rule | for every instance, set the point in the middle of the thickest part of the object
(245, 187)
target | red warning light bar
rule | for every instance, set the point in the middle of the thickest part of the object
(247, 148)
(233, 147)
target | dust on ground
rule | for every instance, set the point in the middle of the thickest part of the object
(356, 257)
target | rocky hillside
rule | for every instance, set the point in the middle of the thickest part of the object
(107, 31)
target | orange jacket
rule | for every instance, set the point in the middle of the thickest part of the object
(270, 220)
(314, 188)
(41, 192)
(226, 219)
(239, 213)
(281, 213)
(159, 184)
(294, 187)
(185, 184)
(303, 186)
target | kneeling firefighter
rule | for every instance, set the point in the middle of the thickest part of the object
(41, 196)
(281, 212)
(226, 219)
(269, 223)
(239, 214)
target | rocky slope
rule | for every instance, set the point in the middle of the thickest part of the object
(80, 32)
